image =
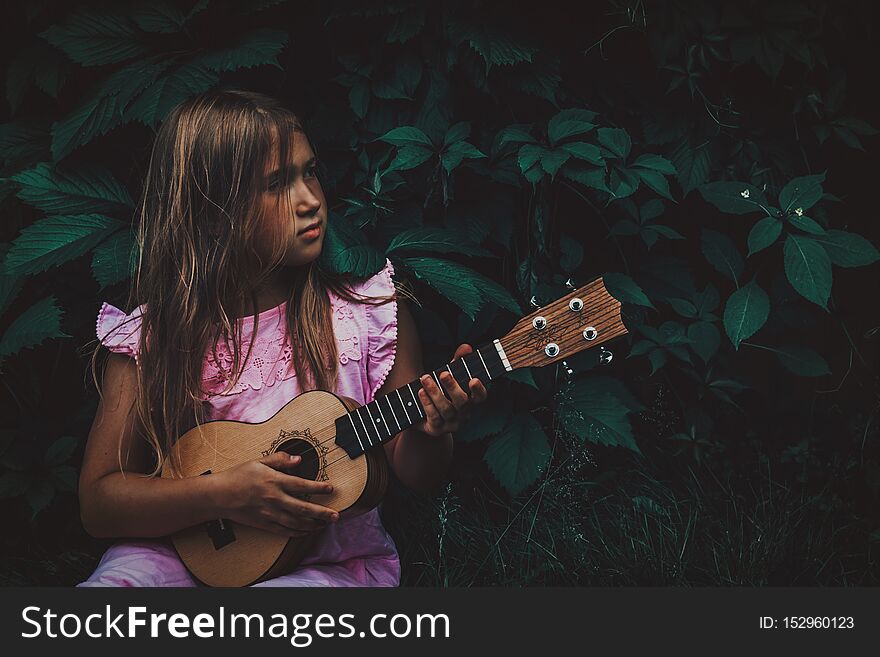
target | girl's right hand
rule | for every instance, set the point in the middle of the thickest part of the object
(261, 494)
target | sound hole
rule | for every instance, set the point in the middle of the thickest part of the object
(311, 463)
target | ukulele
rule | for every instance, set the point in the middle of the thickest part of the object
(340, 440)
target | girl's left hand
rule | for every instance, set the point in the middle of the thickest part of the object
(443, 416)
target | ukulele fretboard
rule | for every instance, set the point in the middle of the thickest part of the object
(387, 415)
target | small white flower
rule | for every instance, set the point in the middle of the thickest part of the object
(744, 193)
(799, 212)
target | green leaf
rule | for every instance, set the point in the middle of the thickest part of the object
(104, 108)
(808, 268)
(55, 240)
(514, 134)
(802, 361)
(693, 165)
(455, 153)
(568, 123)
(616, 140)
(803, 193)
(39, 495)
(524, 376)
(589, 176)
(655, 181)
(491, 42)
(806, 224)
(746, 312)
(463, 286)
(571, 254)
(36, 324)
(847, 249)
(433, 239)
(115, 259)
(733, 197)
(458, 132)
(655, 163)
(705, 339)
(13, 484)
(624, 289)
(253, 48)
(622, 182)
(409, 157)
(519, 454)
(159, 17)
(183, 81)
(721, 253)
(346, 249)
(91, 189)
(487, 419)
(584, 151)
(551, 161)
(60, 451)
(93, 39)
(405, 136)
(764, 233)
(596, 411)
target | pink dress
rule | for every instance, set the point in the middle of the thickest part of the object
(351, 552)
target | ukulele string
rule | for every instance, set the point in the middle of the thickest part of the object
(514, 344)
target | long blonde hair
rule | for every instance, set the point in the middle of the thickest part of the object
(198, 267)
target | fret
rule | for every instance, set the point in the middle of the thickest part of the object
(437, 379)
(384, 421)
(415, 401)
(459, 378)
(358, 411)
(393, 414)
(356, 435)
(408, 419)
(474, 368)
(467, 369)
(484, 364)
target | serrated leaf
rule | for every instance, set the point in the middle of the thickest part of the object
(40, 322)
(463, 286)
(346, 249)
(159, 17)
(486, 420)
(590, 176)
(568, 123)
(458, 132)
(405, 136)
(90, 189)
(458, 151)
(802, 361)
(55, 240)
(571, 254)
(655, 163)
(616, 140)
(655, 181)
(692, 164)
(623, 288)
(524, 376)
(764, 233)
(721, 253)
(705, 339)
(115, 259)
(519, 454)
(808, 268)
(745, 312)
(433, 239)
(733, 197)
(584, 151)
(153, 105)
(551, 161)
(105, 107)
(93, 39)
(253, 48)
(590, 410)
(803, 193)
(409, 157)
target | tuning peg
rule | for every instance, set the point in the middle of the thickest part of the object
(570, 285)
(605, 356)
(568, 370)
(534, 303)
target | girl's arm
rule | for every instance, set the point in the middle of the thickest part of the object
(130, 503)
(420, 461)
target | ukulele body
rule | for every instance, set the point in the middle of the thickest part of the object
(226, 553)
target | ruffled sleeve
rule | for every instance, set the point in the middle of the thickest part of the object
(119, 332)
(381, 328)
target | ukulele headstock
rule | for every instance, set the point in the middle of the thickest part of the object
(587, 317)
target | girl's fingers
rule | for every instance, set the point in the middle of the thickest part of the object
(432, 416)
(443, 406)
(459, 396)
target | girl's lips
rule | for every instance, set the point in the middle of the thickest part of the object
(311, 234)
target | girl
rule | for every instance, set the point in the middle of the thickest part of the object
(231, 223)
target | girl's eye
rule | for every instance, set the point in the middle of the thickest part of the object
(312, 171)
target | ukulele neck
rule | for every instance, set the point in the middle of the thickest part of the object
(387, 415)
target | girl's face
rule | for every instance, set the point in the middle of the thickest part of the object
(289, 211)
